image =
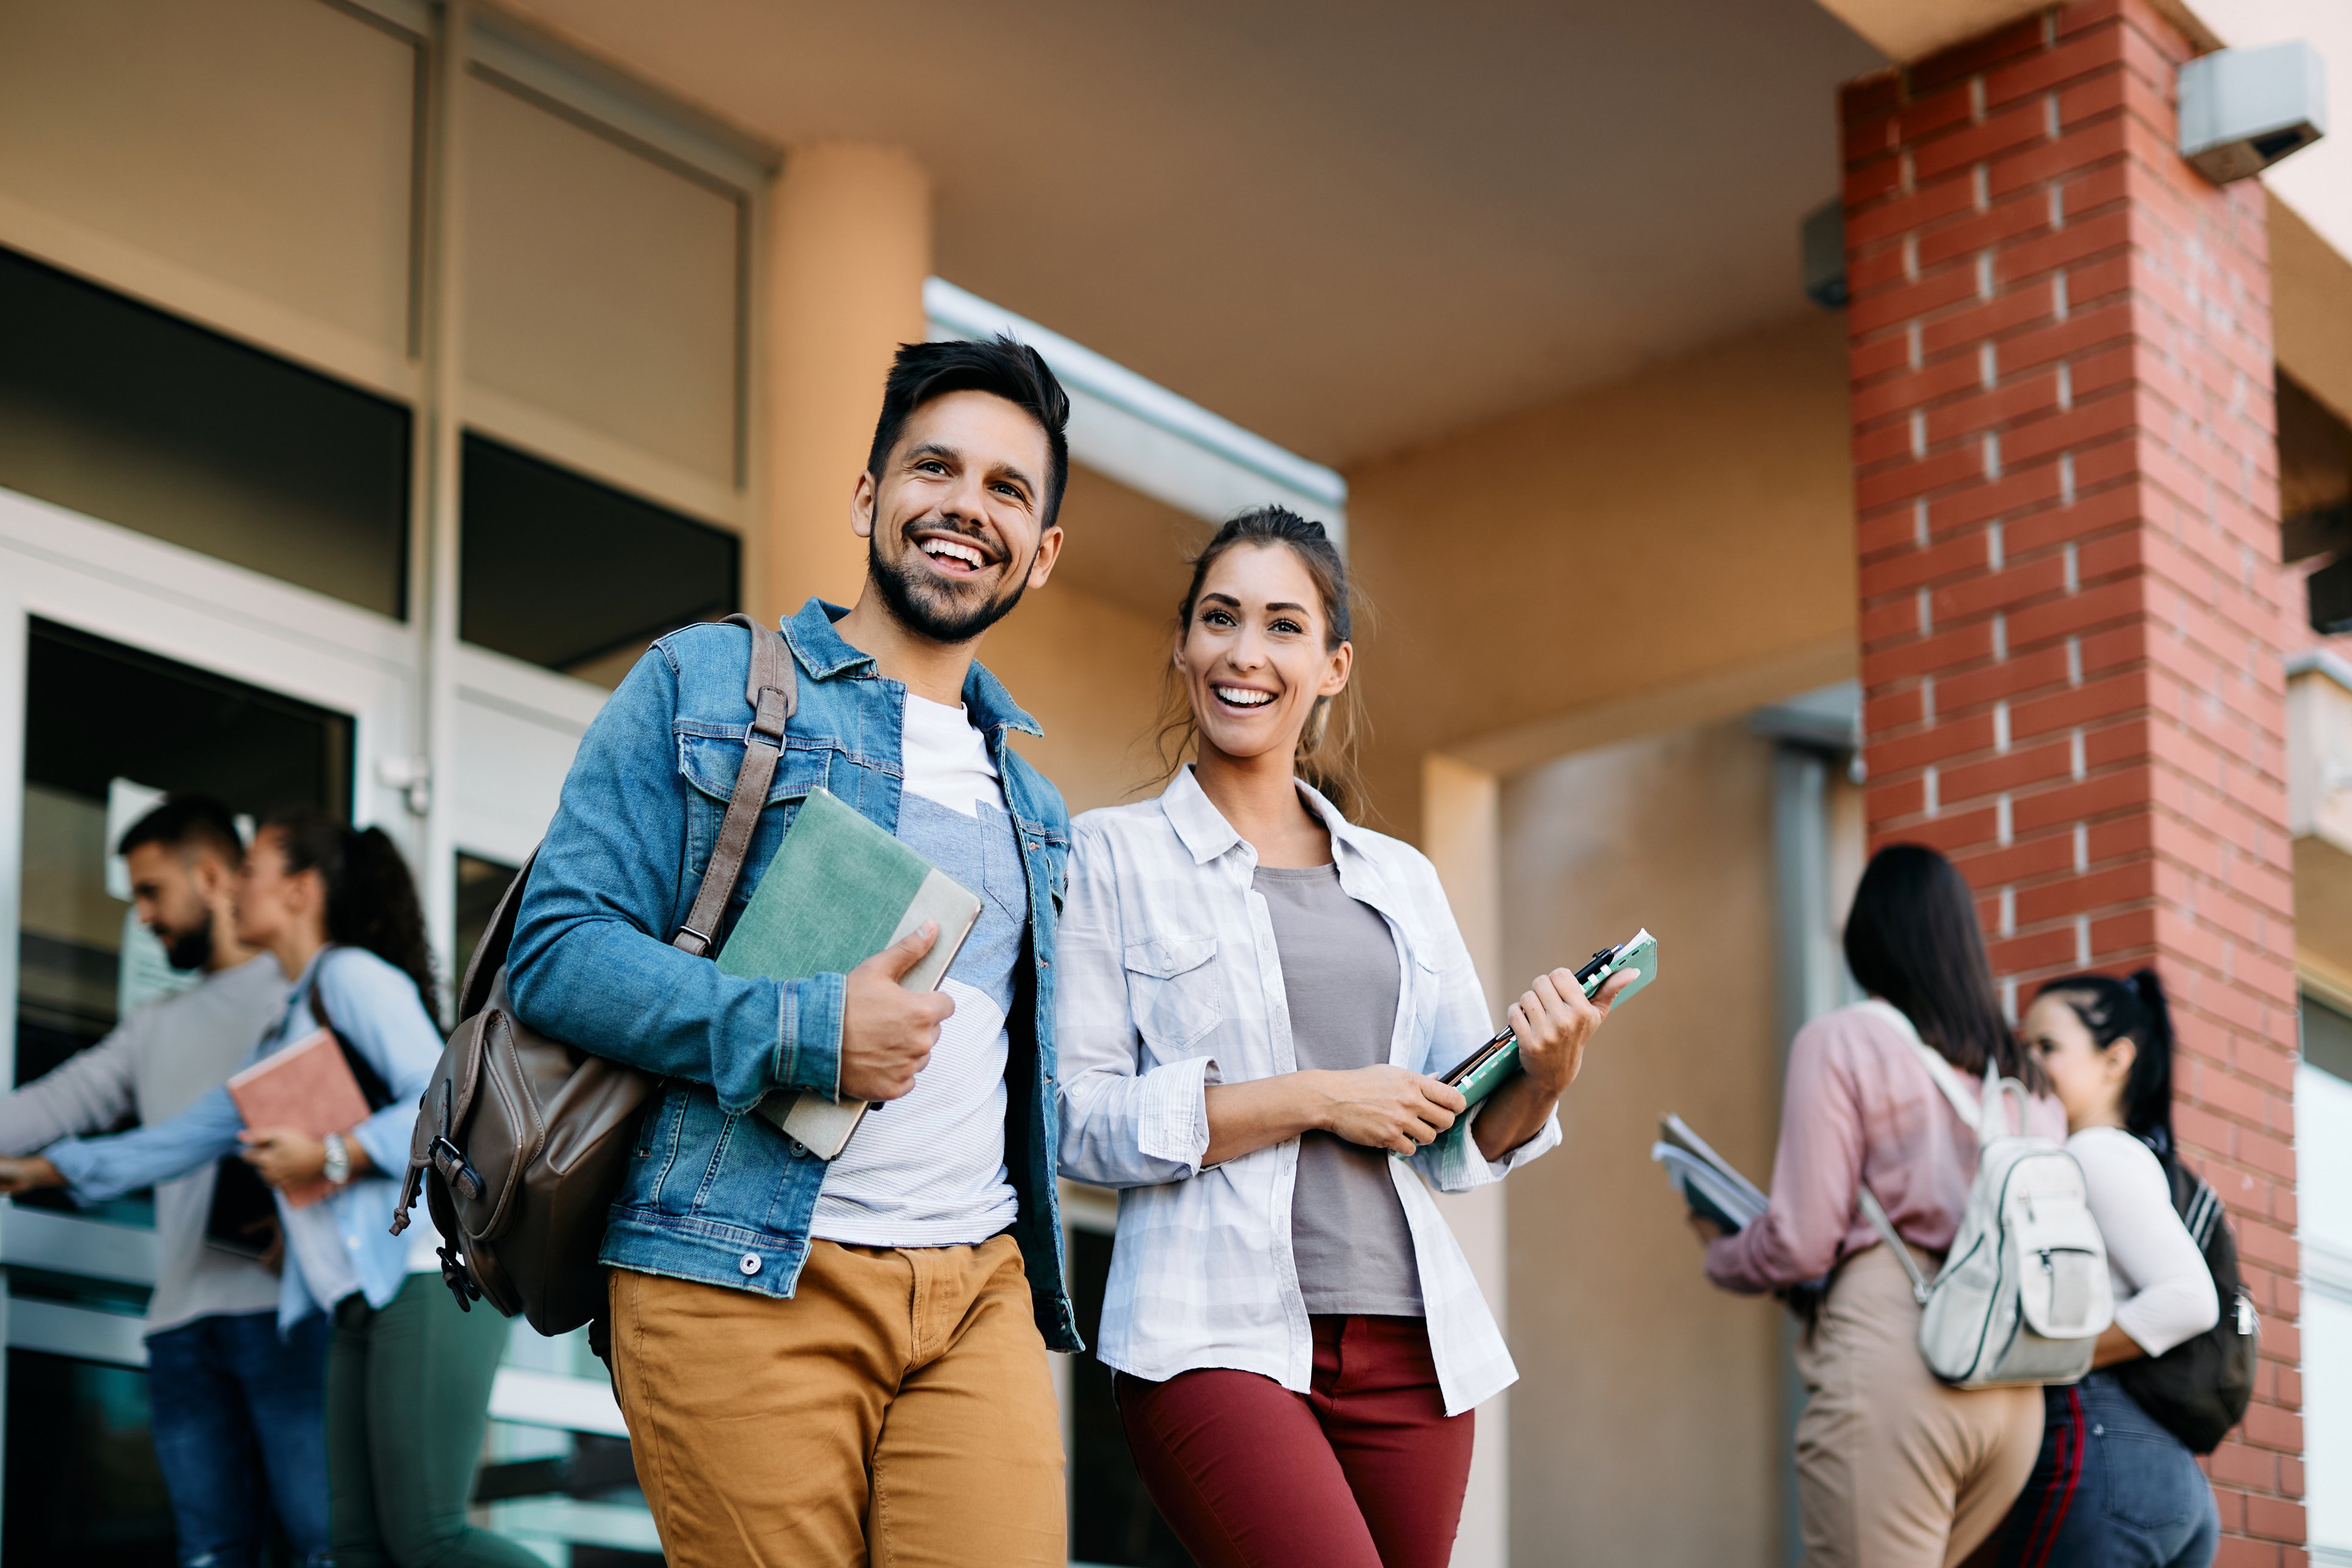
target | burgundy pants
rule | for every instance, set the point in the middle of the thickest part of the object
(1365, 1470)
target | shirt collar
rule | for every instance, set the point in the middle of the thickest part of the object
(1206, 833)
(823, 653)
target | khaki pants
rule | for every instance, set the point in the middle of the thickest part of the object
(1895, 1469)
(895, 1410)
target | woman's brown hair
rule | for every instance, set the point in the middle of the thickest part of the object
(1336, 727)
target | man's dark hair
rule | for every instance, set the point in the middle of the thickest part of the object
(187, 822)
(1012, 371)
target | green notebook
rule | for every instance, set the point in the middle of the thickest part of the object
(840, 890)
(1483, 1070)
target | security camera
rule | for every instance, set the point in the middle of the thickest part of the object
(2243, 110)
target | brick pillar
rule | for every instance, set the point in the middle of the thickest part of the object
(2073, 610)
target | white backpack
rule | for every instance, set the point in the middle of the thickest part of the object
(2024, 1291)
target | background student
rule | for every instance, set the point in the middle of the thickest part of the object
(235, 1410)
(1895, 1469)
(409, 1376)
(1254, 993)
(2112, 1488)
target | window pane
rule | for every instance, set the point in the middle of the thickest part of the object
(480, 885)
(603, 284)
(83, 1486)
(2326, 1038)
(171, 126)
(565, 573)
(139, 418)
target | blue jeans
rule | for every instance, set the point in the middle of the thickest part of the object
(2112, 1490)
(239, 1418)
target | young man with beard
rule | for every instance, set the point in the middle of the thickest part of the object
(840, 1362)
(235, 1411)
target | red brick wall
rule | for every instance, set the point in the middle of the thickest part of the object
(2073, 612)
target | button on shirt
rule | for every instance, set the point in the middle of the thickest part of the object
(1170, 981)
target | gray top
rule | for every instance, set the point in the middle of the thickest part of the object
(159, 1061)
(1339, 976)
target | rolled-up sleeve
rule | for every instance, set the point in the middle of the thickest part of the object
(592, 963)
(1122, 1126)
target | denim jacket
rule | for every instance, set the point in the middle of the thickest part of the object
(715, 1193)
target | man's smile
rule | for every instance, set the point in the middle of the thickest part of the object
(954, 555)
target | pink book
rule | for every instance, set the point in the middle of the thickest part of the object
(308, 1086)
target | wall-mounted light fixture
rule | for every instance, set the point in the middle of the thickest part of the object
(2243, 110)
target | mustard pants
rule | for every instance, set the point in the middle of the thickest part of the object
(895, 1410)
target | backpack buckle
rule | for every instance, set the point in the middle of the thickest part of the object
(461, 1284)
(450, 1162)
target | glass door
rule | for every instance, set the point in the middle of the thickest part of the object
(129, 667)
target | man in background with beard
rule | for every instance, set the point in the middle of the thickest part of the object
(839, 1362)
(235, 1411)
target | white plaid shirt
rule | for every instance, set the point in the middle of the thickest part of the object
(1170, 983)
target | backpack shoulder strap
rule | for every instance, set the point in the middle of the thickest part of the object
(1971, 1113)
(772, 691)
(1920, 1288)
(490, 948)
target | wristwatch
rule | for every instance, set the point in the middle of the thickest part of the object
(338, 1160)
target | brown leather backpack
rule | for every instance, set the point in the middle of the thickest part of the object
(521, 1140)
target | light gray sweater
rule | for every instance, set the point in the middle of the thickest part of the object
(155, 1064)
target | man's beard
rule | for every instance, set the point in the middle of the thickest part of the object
(190, 949)
(924, 606)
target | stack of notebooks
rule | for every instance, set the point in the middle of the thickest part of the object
(1709, 1184)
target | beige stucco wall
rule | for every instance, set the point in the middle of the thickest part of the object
(1692, 519)
(1645, 1427)
(1088, 671)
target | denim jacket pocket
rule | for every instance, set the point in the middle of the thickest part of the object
(1177, 994)
(710, 763)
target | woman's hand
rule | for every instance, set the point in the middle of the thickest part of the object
(24, 1175)
(1379, 1107)
(284, 1157)
(1554, 1022)
(1385, 1107)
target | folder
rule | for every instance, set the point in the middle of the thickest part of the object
(307, 1086)
(840, 890)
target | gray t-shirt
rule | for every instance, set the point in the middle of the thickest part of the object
(1348, 1232)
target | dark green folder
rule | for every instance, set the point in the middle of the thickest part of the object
(840, 890)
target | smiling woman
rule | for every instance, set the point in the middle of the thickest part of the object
(1220, 1076)
(1210, 625)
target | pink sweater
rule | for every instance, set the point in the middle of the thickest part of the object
(1859, 1105)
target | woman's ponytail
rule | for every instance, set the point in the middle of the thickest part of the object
(2147, 1093)
(2134, 1009)
(372, 899)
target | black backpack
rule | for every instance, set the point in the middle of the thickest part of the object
(2199, 1389)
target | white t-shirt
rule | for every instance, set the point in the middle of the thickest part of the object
(945, 759)
(2164, 1292)
(928, 1169)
